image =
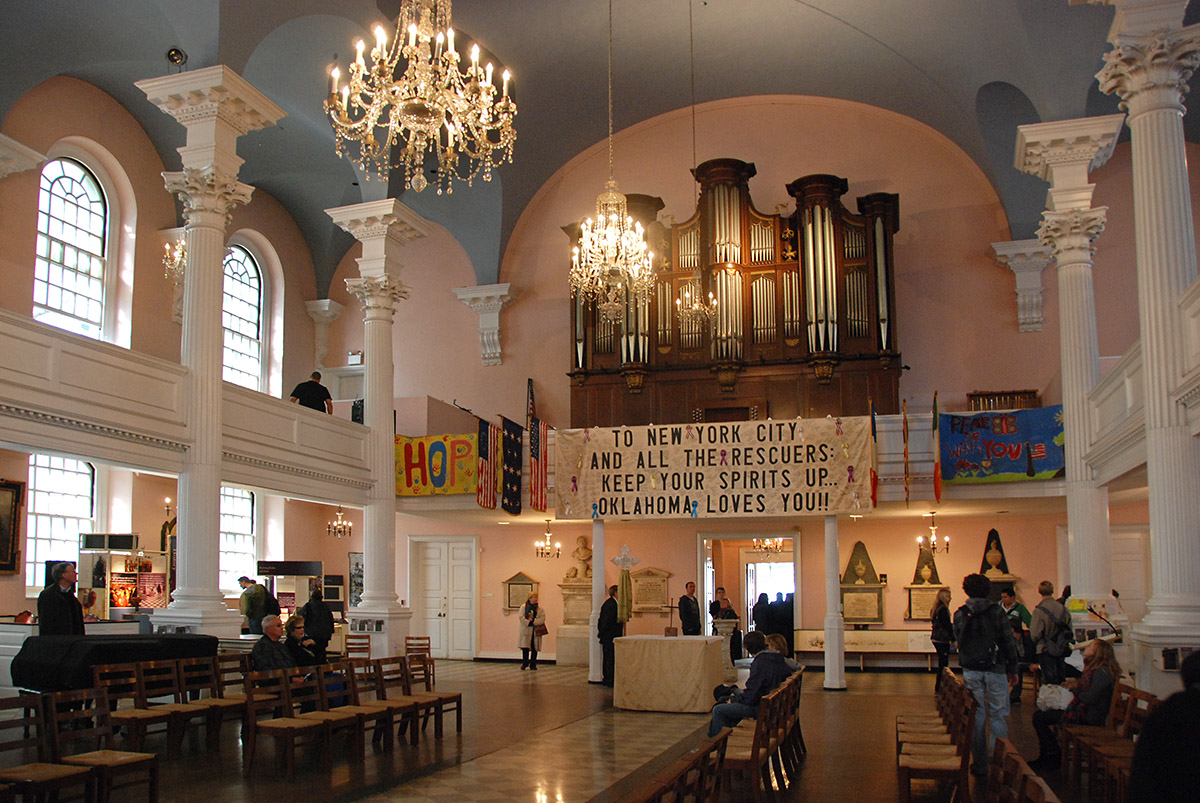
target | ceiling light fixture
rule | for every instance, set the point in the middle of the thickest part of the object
(932, 544)
(612, 265)
(340, 528)
(414, 103)
(543, 548)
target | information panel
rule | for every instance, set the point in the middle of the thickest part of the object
(798, 467)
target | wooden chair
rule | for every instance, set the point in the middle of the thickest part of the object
(80, 720)
(1071, 736)
(120, 682)
(1006, 774)
(954, 767)
(695, 776)
(358, 645)
(200, 683)
(160, 687)
(339, 694)
(420, 645)
(23, 728)
(265, 693)
(369, 681)
(751, 754)
(1036, 791)
(1102, 753)
(418, 672)
(306, 698)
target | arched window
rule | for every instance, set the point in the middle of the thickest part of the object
(239, 549)
(71, 250)
(242, 317)
(61, 505)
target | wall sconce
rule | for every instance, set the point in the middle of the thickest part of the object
(167, 505)
(543, 548)
(933, 544)
(340, 528)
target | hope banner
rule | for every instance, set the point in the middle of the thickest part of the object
(439, 464)
(1012, 446)
(799, 467)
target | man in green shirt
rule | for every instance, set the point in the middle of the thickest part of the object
(1019, 618)
(253, 604)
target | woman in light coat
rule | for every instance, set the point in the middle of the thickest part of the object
(530, 642)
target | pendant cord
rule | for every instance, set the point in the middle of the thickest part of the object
(692, 69)
(610, 92)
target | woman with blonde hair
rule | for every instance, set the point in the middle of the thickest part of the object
(1093, 695)
(533, 619)
(780, 645)
(942, 634)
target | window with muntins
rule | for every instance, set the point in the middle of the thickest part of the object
(239, 550)
(72, 222)
(242, 318)
(61, 505)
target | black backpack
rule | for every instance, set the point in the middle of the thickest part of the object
(1058, 644)
(978, 647)
(270, 604)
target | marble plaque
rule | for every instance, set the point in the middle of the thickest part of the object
(860, 606)
(650, 589)
(920, 601)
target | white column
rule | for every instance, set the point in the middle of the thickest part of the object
(216, 106)
(1026, 259)
(835, 626)
(1148, 67)
(323, 312)
(1063, 153)
(599, 594)
(383, 227)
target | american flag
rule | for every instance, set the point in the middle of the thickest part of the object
(539, 459)
(489, 460)
(510, 494)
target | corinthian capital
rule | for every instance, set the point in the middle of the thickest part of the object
(208, 196)
(1151, 71)
(1070, 235)
(377, 293)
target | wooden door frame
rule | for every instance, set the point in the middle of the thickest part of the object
(473, 540)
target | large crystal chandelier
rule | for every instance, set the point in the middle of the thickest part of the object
(612, 265)
(413, 101)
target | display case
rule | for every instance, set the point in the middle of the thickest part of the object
(114, 582)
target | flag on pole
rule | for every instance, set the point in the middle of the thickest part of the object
(511, 463)
(904, 410)
(874, 455)
(539, 462)
(937, 454)
(489, 461)
(530, 408)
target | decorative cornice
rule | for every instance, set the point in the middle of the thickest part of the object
(287, 468)
(207, 192)
(378, 292)
(1070, 234)
(375, 220)
(1026, 259)
(1152, 68)
(17, 158)
(1106, 449)
(212, 94)
(1087, 142)
(91, 427)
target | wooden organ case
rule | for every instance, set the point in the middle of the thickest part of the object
(805, 312)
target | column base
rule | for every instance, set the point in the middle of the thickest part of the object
(387, 625)
(219, 622)
(573, 645)
(595, 661)
(725, 628)
(835, 652)
(1156, 642)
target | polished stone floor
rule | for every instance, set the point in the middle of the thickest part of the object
(550, 736)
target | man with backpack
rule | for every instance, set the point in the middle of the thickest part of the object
(987, 653)
(1051, 633)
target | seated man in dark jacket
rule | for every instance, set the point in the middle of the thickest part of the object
(767, 671)
(270, 652)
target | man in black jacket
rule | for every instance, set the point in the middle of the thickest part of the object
(767, 671)
(689, 611)
(59, 612)
(987, 653)
(607, 629)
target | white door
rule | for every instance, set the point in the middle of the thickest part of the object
(443, 591)
(1131, 570)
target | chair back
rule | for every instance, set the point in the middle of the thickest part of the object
(1006, 778)
(419, 668)
(1118, 708)
(336, 685)
(159, 679)
(358, 645)
(23, 725)
(1141, 704)
(78, 722)
(273, 687)
(198, 676)
(1036, 791)
(231, 671)
(120, 682)
(417, 644)
(366, 679)
(301, 693)
(392, 675)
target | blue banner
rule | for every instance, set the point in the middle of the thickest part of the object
(1011, 446)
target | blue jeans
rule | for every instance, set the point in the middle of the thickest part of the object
(726, 715)
(990, 690)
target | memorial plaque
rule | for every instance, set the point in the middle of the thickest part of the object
(920, 601)
(860, 606)
(650, 590)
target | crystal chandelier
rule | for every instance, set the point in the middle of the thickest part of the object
(174, 258)
(768, 546)
(543, 548)
(414, 98)
(612, 265)
(691, 311)
(340, 528)
(933, 545)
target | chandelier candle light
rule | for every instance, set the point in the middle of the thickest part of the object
(768, 546)
(612, 264)
(933, 545)
(414, 102)
(543, 548)
(340, 528)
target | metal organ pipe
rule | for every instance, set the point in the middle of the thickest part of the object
(881, 287)
(809, 284)
(831, 343)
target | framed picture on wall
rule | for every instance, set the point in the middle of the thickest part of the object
(354, 595)
(12, 497)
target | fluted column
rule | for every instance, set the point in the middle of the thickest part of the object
(835, 625)
(216, 106)
(599, 594)
(383, 227)
(1063, 153)
(1148, 67)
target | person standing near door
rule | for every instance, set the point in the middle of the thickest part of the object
(689, 611)
(530, 631)
(609, 628)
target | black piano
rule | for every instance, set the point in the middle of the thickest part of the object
(60, 663)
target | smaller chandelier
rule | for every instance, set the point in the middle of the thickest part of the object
(932, 544)
(543, 548)
(174, 259)
(691, 311)
(340, 528)
(768, 546)
(414, 102)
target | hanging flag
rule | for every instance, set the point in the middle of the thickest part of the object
(904, 410)
(539, 435)
(937, 454)
(489, 461)
(874, 455)
(530, 408)
(513, 443)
